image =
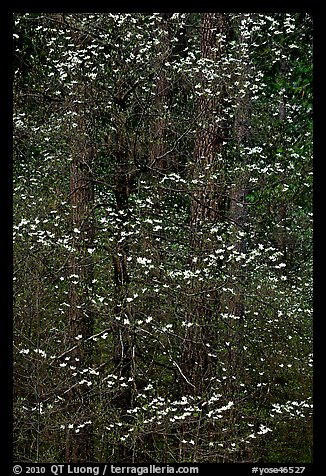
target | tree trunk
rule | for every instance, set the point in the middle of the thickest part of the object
(123, 352)
(281, 234)
(238, 212)
(207, 203)
(79, 446)
(162, 99)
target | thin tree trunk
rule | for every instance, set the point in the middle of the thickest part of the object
(281, 234)
(79, 446)
(123, 355)
(162, 98)
(238, 212)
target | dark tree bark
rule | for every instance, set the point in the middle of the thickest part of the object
(281, 234)
(238, 213)
(79, 446)
(162, 98)
(207, 203)
(123, 352)
(207, 206)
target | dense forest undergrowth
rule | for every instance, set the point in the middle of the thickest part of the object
(163, 237)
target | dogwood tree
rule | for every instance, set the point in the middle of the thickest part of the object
(162, 237)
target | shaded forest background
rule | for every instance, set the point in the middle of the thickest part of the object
(163, 237)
